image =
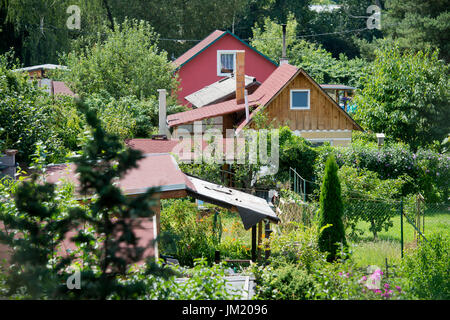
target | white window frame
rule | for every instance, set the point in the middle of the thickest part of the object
(309, 99)
(219, 62)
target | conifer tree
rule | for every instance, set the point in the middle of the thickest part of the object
(38, 222)
(332, 232)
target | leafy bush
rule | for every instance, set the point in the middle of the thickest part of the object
(368, 198)
(296, 245)
(429, 171)
(234, 248)
(186, 235)
(29, 115)
(342, 281)
(286, 282)
(297, 153)
(199, 283)
(426, 269)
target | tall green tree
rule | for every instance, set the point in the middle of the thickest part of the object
(179, 19)
(40, 26)
(419, 25)
(126, 62)
(318, 62)
(405, 95)
(332, 232)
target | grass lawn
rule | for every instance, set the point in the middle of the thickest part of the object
(369, 252)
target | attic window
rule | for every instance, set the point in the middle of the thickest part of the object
(300, 99)
(226, 60)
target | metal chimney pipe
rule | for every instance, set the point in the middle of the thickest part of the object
(247, 111)
(283, 59)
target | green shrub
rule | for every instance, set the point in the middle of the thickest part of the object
(343, 281)
(28, 115)
(297, 153)
(427, 268)
(295, 245)
(369, 198)
(200, 283)
(285, 282)
(428, 170)
(234, 248)
(186, 235)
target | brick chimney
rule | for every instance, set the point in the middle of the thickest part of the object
(240, 76)
(163, 130)
(8, 163)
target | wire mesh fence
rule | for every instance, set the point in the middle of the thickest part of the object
(390, 225)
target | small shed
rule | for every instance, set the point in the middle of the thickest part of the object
(160, 170)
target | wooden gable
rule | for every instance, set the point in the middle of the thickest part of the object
(324, 113)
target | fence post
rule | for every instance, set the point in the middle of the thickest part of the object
(387, 268)
(401, 225)
(217, 256)
(304, 190)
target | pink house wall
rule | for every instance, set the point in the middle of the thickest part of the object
(202, 69)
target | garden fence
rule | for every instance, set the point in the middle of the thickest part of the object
(406, 220)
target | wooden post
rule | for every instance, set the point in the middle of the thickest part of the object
(401, 225)
(345, 101)
(158, 216)
(260, 226)
(254, 243)
(267, 232)
(217, 256)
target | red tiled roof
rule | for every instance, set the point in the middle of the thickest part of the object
(60, 87)
(148, 146)
(210, 111)
(274, 83)
(268, 89)
(198, 47)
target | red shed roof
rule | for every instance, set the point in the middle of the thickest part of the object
(152, 145)
(154, 170)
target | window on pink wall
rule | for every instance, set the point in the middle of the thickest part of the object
(226, 60)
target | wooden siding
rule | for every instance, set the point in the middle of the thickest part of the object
(322, 115)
